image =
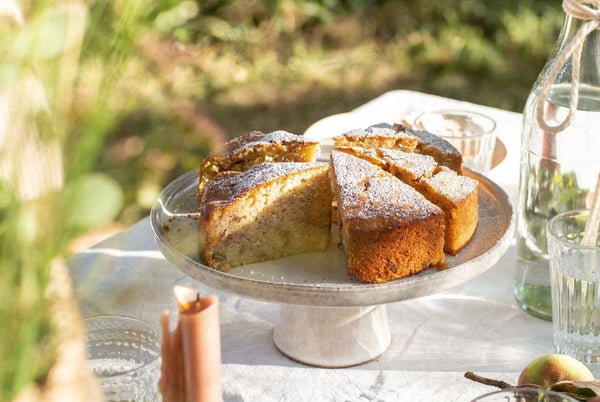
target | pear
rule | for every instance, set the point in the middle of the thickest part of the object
(550, 369)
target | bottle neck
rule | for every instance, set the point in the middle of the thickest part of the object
(590, 64)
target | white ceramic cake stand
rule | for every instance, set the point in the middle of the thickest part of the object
(327, 318)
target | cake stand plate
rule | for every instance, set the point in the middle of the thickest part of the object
(327, 318)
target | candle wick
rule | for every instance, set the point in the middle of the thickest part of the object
(197, 296)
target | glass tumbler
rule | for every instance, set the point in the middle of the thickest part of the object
(124, 355)
(473, 134)
(575, 285)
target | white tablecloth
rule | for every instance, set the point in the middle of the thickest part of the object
(476, 326)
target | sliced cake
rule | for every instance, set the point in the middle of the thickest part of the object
(240, 154)
(444, 153)
(408, 167)
(388, 229)
(270, 211)
(458, 196)
(377, 136)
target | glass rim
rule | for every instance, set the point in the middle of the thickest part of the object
(465, 112)
(568, 214)
(530, 389)
(154, 329)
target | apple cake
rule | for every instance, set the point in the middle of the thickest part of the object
(456, 195)
(271, 210)
(388, 230)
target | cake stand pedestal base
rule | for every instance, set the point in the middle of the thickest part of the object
(332, 336)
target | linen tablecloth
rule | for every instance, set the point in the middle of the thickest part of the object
(474, 327)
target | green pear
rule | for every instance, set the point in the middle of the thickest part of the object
(550, 369)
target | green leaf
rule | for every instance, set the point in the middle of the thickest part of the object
(582, 390)
(93, 200)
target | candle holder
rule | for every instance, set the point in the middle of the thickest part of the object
(124, 355)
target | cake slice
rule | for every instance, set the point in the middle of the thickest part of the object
(270, 211)
(408, 167)
(377, 136)
(444, 153)
(458, 196)
(241, 153)
(388, 230)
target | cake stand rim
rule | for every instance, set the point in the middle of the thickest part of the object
(332, 295)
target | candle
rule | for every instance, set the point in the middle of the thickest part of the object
(191, 355)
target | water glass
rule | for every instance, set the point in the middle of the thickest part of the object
(524, 395)
(575, 284)
(124, 354)
(473, 134)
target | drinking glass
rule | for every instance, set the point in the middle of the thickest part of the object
(473, 134)
(124, 354)
(575, 284)
(524, 395)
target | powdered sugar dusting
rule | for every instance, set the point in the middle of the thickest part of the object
(226, 187)
(416, 164)
(380, 131)
(426, 138)
(451, 185)
(276, 137)
(371, 199)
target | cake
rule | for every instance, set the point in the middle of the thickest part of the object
(408, 167)
(458, 196)
(388, 230)
(377, 136)
(240, 154)
(444, 153)
(271, 210)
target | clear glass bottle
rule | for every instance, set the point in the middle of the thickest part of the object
(558, 171)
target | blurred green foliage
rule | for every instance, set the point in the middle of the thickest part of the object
(139, 91)
(212, 70)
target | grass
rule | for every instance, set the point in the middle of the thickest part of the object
(137, 92)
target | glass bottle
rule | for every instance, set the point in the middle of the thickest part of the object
(558, 171)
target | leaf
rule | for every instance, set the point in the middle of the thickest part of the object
(93, 200)
(582, 390)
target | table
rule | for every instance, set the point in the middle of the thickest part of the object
(474, 327)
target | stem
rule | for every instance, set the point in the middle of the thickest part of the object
(488, 381)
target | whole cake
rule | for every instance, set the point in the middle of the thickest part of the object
(388, 230)
(270, 211)
(242, 153)
(395, 196)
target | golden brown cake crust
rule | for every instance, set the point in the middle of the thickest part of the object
(227, 187)
(389, 230)
(458, 197)
(254, 148)
(270, 211)
(430, 144)
(377, 136)
(372, 199)
(237, 147)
